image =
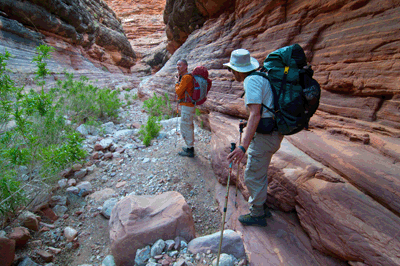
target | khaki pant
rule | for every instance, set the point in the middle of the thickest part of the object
(187, 126)
(260, 152)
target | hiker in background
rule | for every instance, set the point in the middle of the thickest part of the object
(260, 147)
(183, 85)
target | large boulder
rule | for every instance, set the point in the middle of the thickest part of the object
(7, 251)
(231, 244)
(137, 221)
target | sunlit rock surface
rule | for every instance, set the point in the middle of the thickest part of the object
(341, 178)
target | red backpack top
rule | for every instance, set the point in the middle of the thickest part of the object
(202, 85)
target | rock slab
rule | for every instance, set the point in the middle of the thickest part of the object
(231, 244)
(137, 221)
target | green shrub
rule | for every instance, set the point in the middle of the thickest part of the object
(41, 63)
(11, 196)
(158, 106)
(109, 103)
(55, 157)
(198, 112)
(83, 102)
(39, 138)
(150, 130)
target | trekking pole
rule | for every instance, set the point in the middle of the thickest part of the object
(233, 146)
(241, 126)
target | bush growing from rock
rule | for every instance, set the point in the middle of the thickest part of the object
(33, 127)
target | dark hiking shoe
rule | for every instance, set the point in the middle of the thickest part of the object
(267, 212)
(247, 219)
(186, 149)
(189, 152)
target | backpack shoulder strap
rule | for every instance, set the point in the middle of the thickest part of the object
(180, 77)
(264, 75)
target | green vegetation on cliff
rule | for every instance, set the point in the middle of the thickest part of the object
(37, 139)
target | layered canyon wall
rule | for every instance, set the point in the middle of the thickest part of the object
(352, 46)
(341, 177)
(90, 25)
(145, 29)
(87, 37)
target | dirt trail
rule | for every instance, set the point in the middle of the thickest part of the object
(164, 171)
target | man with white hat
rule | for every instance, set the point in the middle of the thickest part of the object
(260, 146)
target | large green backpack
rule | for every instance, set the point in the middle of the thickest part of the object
(296, 93)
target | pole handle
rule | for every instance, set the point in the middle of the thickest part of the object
(241, 126)
(233, 146)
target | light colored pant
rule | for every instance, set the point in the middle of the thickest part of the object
(187, 126)
(260, 152)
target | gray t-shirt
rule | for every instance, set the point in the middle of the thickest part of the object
(258, 90)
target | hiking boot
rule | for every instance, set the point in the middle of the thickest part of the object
(247, 219)
(189, 152)
(185, 149)
(267, 212)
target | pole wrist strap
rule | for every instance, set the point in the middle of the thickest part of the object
(242, 148)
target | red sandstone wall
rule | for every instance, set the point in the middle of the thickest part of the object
(354, 48)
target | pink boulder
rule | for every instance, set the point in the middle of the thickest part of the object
(137, 221)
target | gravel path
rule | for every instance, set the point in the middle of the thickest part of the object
(142, 171)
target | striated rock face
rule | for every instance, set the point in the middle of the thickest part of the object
(144, 27)
(345, 180)
(91, 26)
(345, 199)
(182, 17)
(352, 46)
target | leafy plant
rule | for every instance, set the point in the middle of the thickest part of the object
(55, 157)
(158, 106)
(38, 127)
(10, 190)
(83, 102)
(41, 63)
(150, 130)
(33, 128)
(198, 112)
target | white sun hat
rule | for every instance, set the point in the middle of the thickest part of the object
(241, 61)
